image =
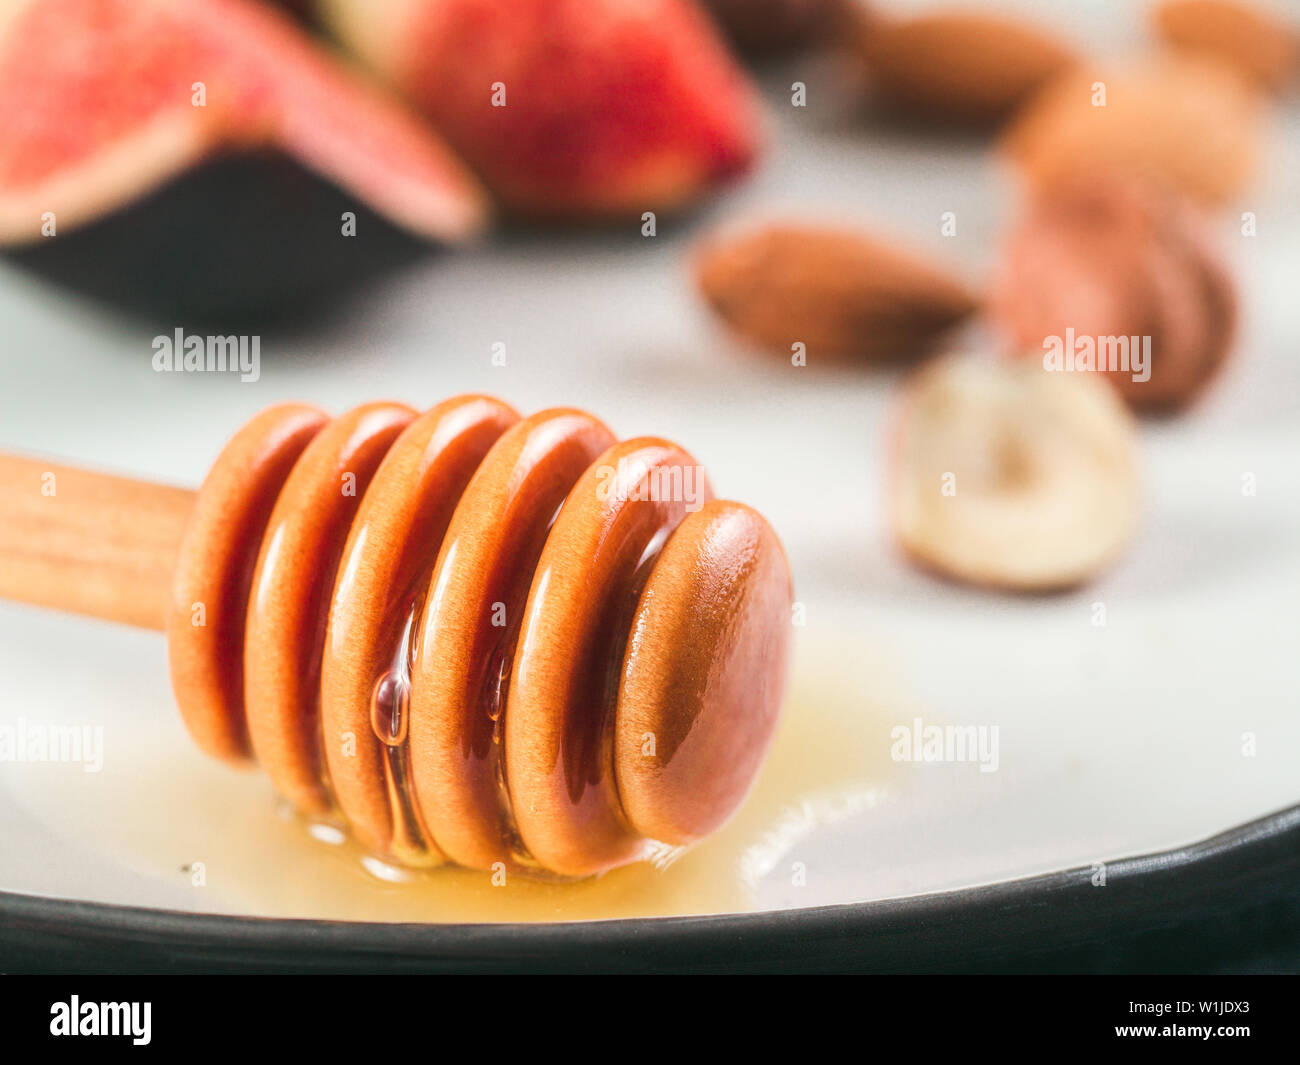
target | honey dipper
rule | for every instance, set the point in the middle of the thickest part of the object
(475, 637)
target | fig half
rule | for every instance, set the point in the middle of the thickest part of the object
(568, 109)
(108, 102)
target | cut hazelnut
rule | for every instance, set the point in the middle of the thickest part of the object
(1011, 476)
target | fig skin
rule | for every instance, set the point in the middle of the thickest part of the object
(242, 240)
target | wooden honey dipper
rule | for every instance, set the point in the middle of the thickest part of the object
(478, 638)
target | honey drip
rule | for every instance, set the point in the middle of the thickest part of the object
(829, 761)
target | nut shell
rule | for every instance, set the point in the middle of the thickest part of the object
(845, 296)
(959, 66)
(1243, 35)
(1181, 120)
(1108, 256)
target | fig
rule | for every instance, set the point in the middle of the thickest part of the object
(567, 108)
(202, 157)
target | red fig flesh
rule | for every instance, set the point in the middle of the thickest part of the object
(567, 107)
(105, 100)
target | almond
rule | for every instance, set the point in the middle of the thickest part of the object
(1252, 40)
(843, 295)
(1107, 265)
(961, 66)
(1189, 122)
(1008, 476)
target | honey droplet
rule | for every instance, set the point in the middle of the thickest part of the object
(390, 709)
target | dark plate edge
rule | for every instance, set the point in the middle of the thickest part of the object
(1190, 907)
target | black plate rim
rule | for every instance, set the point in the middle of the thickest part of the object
(1049, 921)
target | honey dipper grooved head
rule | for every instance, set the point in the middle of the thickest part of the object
(698, 675)
(487, 558)
(480, 638)
(287, 600)
(205, 632)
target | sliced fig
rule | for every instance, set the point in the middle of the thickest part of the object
(108, 101)
(1010, 476)
(567, 108)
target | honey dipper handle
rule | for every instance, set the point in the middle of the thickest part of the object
(88, 543)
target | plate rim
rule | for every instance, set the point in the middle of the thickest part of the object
(1046, 920)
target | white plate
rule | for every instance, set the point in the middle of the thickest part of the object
(1117, 739)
